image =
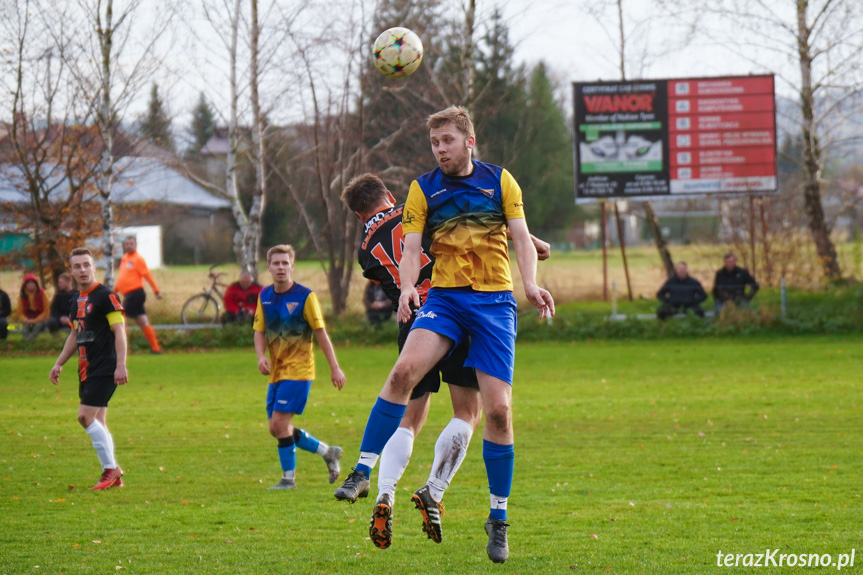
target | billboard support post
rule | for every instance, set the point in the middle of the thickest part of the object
(621, 238)
(604, 256)
(752, 234)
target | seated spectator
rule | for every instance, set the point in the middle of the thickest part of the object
(241, 299)
(33, 307)
(379, 308)
(5, 312)
(61, 305)
(680, 293)
(730, 285)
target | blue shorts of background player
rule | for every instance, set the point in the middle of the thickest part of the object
(288, 396)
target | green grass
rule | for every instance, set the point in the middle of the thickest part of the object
(645, 457)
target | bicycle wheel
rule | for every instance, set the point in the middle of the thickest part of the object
(200, 309)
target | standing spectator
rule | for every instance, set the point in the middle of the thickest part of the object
(130, 283)
(33, 307)
(680, 293)
(61, 304)
(99, 337)
(241, 299)
(730, 285)
(379, 308)
(5, 312)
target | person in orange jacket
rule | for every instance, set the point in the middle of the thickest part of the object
(33, 306)
(130, 283)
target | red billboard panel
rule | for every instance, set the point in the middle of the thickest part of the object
(675, 137)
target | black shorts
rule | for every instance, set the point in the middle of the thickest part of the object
(97, 391)
(450, 368)
(133, 303)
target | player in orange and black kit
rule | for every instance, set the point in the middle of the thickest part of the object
(99, 335)
(131, 274)
(379, 255)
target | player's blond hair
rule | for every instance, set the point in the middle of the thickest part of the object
(457, 115)
(281, 249)
(80, 252)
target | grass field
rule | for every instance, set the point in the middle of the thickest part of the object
(633, 458)
(630, 458)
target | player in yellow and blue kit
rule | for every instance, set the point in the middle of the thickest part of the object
(287, 316)
(466, 207)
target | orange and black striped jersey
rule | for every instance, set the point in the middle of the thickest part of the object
(93, 312)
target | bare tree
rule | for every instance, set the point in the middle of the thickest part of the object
(120, 58)
(50, 150)
(824, 41)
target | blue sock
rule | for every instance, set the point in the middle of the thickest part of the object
(383, 421)
(499, 460)
(305, 441)
(287, 452)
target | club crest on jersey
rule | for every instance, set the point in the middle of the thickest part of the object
(292, 306)
(89, 308)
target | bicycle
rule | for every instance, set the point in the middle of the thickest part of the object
(204, 307)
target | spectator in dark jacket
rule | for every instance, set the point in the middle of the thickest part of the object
(61, 305)
(241, 299)
(680, 293)
(730, 285)
(5, 311)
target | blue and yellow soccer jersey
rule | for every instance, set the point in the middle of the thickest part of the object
(466, 220)
(289, 320)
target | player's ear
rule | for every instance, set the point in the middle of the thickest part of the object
(359, 215)
(391, 197)
(471, 142)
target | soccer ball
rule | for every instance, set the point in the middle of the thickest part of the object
(398, 52)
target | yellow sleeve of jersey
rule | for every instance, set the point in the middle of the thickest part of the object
(312, 312)
(416, 209)
(513, 205)
(259, 324)
(115, 317)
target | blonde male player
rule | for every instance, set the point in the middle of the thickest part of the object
(99, 335)
(287, 315)
(466, 207)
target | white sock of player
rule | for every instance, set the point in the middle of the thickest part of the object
(498, 502)
(289, 474)
(110, 445)
(322, 448)
(449, 451)
(394, 459)
(102, 443)
(368, 459)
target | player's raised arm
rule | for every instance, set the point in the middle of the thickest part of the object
(409, 271)
(525, 254)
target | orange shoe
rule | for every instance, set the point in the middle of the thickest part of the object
(110, 478)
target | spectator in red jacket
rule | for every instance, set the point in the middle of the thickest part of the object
(241, 299)
(33, 307)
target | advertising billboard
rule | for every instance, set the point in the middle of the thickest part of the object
(674, 137)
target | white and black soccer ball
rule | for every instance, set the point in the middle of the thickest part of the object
(398, 52)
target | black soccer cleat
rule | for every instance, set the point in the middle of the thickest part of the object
(431, 511)
(381, 525)
(354, 487)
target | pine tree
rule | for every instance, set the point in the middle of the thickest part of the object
(543, 166)
(156, 126)
(203, 125)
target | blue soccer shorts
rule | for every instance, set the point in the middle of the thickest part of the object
(288, 396)
(489, 318)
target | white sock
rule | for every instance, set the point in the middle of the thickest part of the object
(289, 474)
(449, 451)
(498, 502)
(368, 459)
(394, 459)
(322, 448)
(102, 443)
